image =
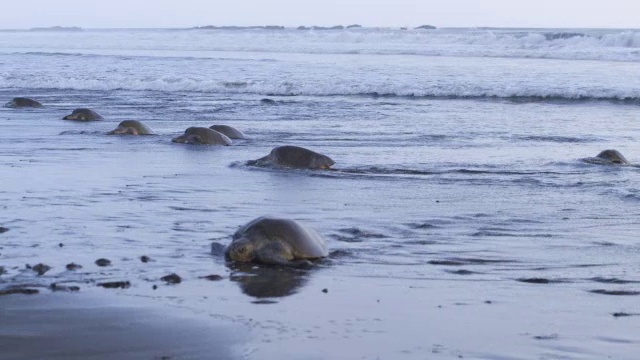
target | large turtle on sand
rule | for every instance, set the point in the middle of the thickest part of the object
(276, 241)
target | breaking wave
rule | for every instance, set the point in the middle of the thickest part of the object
(589, 44)
(243, 62)
(524, 94)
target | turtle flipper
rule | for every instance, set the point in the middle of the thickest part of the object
(278, 254)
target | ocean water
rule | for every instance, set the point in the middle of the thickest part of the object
(461, 216)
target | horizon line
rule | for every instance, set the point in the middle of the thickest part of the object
(338, 27)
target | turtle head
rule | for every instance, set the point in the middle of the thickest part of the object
(323, 162)
(188, 139)
(83, 114)
(123, 130)
(240, 250)
(182, 139)
(76, 116)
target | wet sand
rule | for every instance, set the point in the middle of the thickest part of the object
(372, 316)
(106, 326)
(454, 230)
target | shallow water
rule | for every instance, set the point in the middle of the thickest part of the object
(461, 222)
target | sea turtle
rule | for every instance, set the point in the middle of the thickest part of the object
(202, 135)
(83, 114)
(267, 101)
(294, 157)
(276, 241)
(131, 127)
(613, 156)
(22, 102)
(231, 132)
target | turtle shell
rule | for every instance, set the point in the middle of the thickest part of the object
(612, 155)
(305, 242)
(141, 128)
(229, 131)
(206, 136)
(299, 157)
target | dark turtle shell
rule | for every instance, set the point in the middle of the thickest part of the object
(304, 242)
(231, 132)
(295, 157)
(83, 114)
(202, 135)
(23, 102)
(613, 156)
(131, 127)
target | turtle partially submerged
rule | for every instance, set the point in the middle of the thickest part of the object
(23, 102)
(231, 132)
(131, 127)
(613, 156)
(276, 241)
(294, 157)
(608, 157)
(202, 136)
(83, 114)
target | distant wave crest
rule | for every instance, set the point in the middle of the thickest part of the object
(375, 91)
(610, 45)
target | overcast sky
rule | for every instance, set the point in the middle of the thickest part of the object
(187, 13)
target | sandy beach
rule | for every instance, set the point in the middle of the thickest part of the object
(326, 319)
(105, 326)
(463, 215)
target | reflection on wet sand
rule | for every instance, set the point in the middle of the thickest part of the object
(103, 326)
(268, 281)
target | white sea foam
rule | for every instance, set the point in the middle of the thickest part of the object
(452, 90)
(466, 63)
(616, 45)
